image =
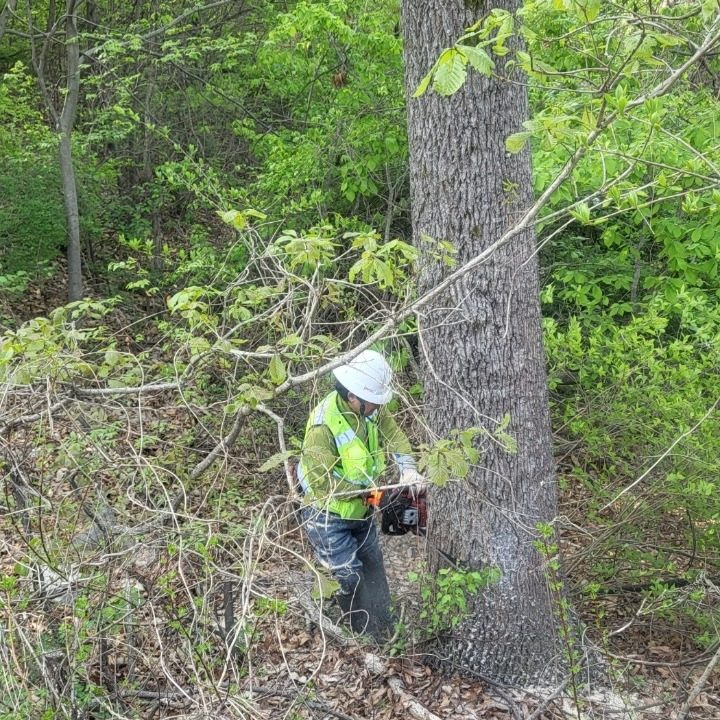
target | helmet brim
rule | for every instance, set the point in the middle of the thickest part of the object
(352, 380)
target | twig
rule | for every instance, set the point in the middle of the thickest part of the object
(283, 447)
(139, 390)
(221, 447)
(499, 687)
(314, 704)
(546, 702)
(413, 707)
(26, 419)
(699, 685)
(701, 658)
(325, 624)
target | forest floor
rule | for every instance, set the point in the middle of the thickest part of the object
(652, 670)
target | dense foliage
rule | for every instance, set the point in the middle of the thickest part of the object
(244, 203)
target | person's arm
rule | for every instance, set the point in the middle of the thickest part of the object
(395, 442)
(319, 458)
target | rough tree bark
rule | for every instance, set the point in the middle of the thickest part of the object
(482, 347)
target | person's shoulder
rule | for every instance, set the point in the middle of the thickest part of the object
(318, 434)
(385, 415)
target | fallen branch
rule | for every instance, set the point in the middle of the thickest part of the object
(327, 626)
(698, 686)
(554, 695)
(500, 688)
(222, 447)
(413, 707)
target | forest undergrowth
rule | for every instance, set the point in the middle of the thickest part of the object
(244, 219)
(128, 590)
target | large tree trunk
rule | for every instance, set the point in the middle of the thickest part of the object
(482, 347)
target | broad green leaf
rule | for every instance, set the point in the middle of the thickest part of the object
(234, 218)
(592, 9)
(450, 74)
(478, 58)
(709, 8)
(581, 212)
(277, 370)
(250, 212)
(239, 218)
(325, 586)
(276, 460)
(424, 83)
(384, 274)
(516, 142)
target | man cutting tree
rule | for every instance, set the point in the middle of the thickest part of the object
(343, 455)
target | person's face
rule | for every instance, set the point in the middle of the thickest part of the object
(354, 403)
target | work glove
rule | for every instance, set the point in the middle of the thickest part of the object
(413, 481)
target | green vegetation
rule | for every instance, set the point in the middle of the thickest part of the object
(245, 217)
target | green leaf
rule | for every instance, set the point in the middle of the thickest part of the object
(325, 587)
(250, 212)
(709, 8)
(424, 83)
(478, 58)
(450, 74)
(581, 212)
(276, 460)
(234, 218)
(277, 370)
(516, 142)
(239, 219)
(592, 9)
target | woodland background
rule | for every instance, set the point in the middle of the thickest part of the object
(241, 174)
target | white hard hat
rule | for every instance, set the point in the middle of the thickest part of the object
(368, 376)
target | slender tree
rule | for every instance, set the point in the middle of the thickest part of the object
(65, 29)
(5, 14)
(482, 348)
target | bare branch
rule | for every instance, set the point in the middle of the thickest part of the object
(698, 686)
(223, 446)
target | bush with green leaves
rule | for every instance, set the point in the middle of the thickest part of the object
(331, 72)
(640, 406)
(444, 596)
(32, 223)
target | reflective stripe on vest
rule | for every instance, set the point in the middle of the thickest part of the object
(360, 464)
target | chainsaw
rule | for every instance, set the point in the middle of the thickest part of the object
(403, 511)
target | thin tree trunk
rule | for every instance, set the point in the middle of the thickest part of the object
(66, 123)
(148, 160)
(7, 11)
(482, 348)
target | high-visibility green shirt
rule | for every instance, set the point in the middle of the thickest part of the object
(320, 456)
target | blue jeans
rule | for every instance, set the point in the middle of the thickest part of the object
(351, 551)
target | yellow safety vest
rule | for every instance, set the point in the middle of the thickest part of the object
(360, 464)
